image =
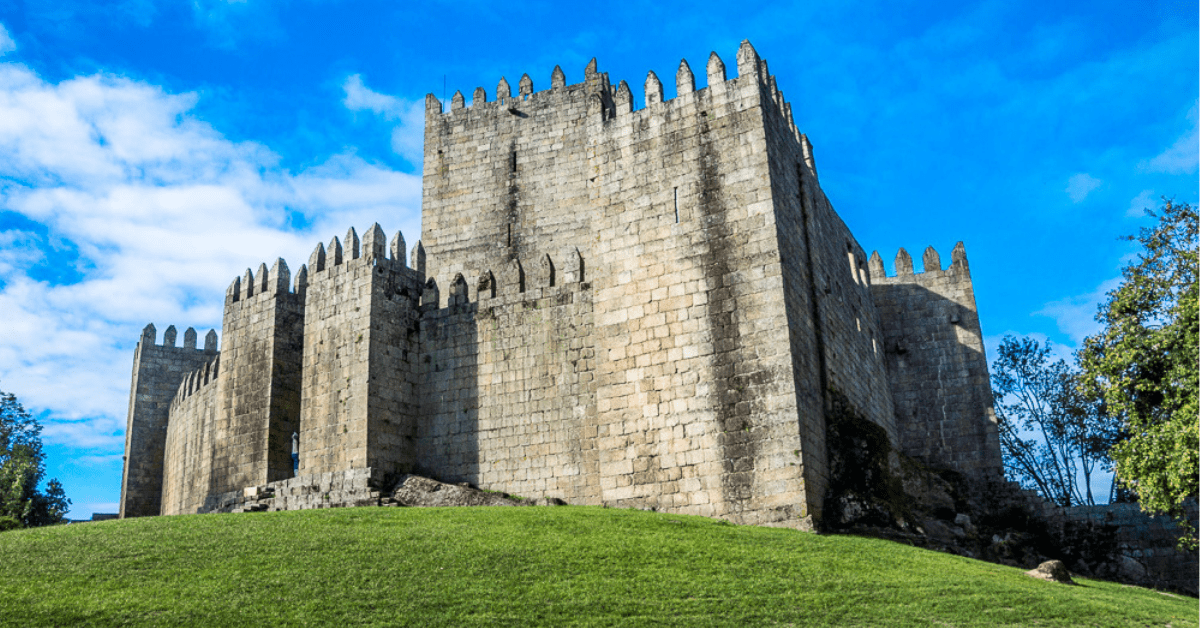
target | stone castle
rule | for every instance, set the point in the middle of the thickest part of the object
(648, 308)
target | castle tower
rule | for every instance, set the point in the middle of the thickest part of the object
(157, 372)
(259, 379)
(360, 345)
(714, 345)
(936, 363)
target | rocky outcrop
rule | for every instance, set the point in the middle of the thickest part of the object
(876, 491)
(417, 491)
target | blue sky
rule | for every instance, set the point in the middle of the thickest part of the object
(151, 151)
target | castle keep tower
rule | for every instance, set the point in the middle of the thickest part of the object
(647, 308)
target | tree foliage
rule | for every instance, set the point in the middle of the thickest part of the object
(1144, 363)
(22, 466)
(1053, 438)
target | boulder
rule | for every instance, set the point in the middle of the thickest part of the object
(1052, 571)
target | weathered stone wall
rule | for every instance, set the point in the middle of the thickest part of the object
(834, 329)
(338, 489)
(507, 391)
(646, 308)
(259, 379)
(505, 182)
(190, 444)
(157, 372)
(360, 342)
(936, 364)
(670, 211)
(1147, 551)
(694, 383)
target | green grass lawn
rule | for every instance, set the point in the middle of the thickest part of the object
(519, 567)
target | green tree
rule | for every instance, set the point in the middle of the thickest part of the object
(1053, 438)
(1144, 363)
(22, 466)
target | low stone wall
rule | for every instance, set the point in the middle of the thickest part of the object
(359, 487)
(342, 489)
(1146, 551)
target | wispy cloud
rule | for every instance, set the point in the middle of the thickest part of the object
(228, 21)
(1137, 206)
(153, 212)
(1076, 315)
(1182, 157)
(408, 134)
(7, 44)
(1080, 185)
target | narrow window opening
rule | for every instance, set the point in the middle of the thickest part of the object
(512, 161)
(295, 454)
(509, 243)
(676, 205)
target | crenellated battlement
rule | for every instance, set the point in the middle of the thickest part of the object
(373, 249)
(150, 336)
(512, 284)
(264, 283)
(611, 102)
(931, 265)
(197, 380)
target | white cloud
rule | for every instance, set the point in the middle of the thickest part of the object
(1080, 185)
(7, 44)
(1076, 316)
(359, 97)
(1182, 157)
(408, 136)
(1137, 206)
(149, 213)
(229, 21)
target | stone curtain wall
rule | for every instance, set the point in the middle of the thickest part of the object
(187, 470)
(936, 363)
(158, 371)
(1146, 545)
(507, 399)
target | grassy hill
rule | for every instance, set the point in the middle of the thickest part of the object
(518, 567)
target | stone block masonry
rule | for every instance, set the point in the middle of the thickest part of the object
(509, 392)
(936, 363)
(1145, 547)
(360, 345)
(648, 308)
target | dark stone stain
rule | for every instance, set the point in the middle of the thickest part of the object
(512, 206)
(736, 394)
